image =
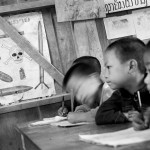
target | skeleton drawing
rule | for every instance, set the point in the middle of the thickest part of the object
(16, 54)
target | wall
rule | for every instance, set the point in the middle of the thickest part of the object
(67, 41)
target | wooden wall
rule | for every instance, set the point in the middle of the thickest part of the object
(67, 41)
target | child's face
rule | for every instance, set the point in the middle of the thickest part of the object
(116, 73)
(147, 65)
(84, 88)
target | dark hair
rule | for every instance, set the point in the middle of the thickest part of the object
(129, 48)
(84, 65)
(147, 47)
(89, 60)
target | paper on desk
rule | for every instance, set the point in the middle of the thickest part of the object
(68, 124)
(48, 121)
(123, 137)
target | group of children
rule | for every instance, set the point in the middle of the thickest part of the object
(125, 94)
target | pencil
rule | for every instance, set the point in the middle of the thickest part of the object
(63, 103)
(72, 101)
(139, 98)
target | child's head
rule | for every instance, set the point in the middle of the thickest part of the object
(89, 60)
(84, 79)
(147, 65)
(123, 62)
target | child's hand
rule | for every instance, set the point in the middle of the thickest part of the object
(138, 122)
(71, 117)
(62, 111)
(131, 114)
(147, 117)
(82, 108)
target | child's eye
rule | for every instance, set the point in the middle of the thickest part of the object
(108, 67)
(147, 71)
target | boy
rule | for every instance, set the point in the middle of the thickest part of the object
(125, 73)
(142, 121)
(84, 79)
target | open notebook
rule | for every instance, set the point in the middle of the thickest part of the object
(46, 121)
(123, 137)
(66, 123)
(56, 121)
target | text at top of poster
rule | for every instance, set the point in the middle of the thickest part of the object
(112, 6)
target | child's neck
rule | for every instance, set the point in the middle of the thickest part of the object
(136, 84)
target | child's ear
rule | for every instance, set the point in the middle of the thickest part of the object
(132, 65)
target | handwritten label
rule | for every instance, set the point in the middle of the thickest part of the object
(121, 5)
(20, 20)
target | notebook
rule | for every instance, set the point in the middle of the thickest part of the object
(46, 121)
(66, 123)
(123, 137)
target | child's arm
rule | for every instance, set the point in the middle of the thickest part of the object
(76, 117)
(110, 111)
(141, 121)
(82, 108)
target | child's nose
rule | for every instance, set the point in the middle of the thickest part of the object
(106, 73)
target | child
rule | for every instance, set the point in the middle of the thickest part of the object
(125, 73)
(142, 121)
(84, 79)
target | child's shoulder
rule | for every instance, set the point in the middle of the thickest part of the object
(106, 92)
(106, 88)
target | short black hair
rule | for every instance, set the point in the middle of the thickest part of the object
(89, 60)
(82, 66)
(129, 48)
(79, 69)
(148, 47)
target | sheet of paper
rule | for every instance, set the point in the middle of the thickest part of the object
(142, 23)
(117, 27)
(68, 124)
(123, 137)
(46, 121)
(19, 66)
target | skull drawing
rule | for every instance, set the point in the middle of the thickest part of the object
(17, 55)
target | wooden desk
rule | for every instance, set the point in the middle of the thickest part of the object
(24, 112)
(57, 138)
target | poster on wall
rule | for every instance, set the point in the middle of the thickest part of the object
(71, 10)
(117, 27)
(142, 23)
(21, 78)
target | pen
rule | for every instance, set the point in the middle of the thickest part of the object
(139, 98)
(72, 100)
(63, 103)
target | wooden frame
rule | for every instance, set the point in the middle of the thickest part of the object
(34, 103)
(20, 7)
(23, 43)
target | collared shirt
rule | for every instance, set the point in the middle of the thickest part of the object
(121, 102)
